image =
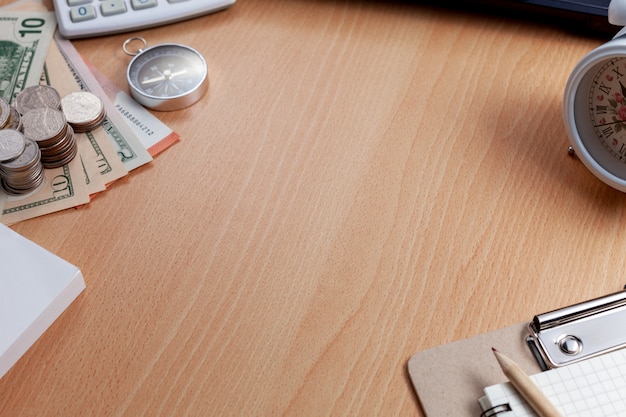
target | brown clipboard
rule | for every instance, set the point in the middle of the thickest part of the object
(449, 379)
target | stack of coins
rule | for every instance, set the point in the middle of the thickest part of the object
(9, 116)
(84, 111)
(44, 122)
(5, 113)
(36, 97)
(21, 170)
(55, 137)
(51, 121)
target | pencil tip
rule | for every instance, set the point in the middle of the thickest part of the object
(503, 361)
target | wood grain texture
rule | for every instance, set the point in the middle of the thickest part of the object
(363, 181)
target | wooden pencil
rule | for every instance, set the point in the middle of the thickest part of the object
(526, 387)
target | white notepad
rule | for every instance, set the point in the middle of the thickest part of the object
(36, 286)
(592, 388)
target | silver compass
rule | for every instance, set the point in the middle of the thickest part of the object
(167, 76)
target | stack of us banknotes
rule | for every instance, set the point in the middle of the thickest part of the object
(32, 53)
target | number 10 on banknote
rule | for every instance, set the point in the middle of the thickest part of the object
(24, 42)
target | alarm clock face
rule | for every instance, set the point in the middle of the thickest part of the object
(607, 106)
(594, 111)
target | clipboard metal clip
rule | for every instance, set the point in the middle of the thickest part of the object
(578, 332)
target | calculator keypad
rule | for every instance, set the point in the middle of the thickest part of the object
(83, 12)
(82, 18)
(112, 7)
(142, 4)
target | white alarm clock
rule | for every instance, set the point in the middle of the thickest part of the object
(594, 106)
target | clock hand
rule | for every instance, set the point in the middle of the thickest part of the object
(610, 123)
(623, 88)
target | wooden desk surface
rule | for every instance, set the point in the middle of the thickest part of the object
(365, 180)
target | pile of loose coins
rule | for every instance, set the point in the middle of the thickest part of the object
(37, 132)
(21, 169)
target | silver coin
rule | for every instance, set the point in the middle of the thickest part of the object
(62, 153)
(92, 125)
(12, 144)
(57, 147)
(5, 112)
(37, 97)
(82, 110)
(61, 148)
(25, 160)
(59, 163)
(44, 125)
(24, 173)
(15, 120)
(26, 181)
(9, 189)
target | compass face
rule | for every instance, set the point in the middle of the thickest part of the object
(167, 71)
(607, 106)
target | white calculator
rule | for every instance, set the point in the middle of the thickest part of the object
(86, 18)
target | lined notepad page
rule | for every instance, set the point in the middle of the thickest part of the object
(592, 388)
